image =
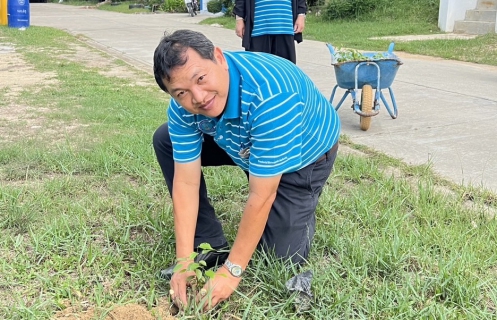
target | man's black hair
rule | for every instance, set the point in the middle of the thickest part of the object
(170, 53)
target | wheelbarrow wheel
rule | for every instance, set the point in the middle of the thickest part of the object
(366, 106)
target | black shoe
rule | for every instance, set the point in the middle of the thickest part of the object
(211, 258)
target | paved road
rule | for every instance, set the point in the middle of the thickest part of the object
(447, 109)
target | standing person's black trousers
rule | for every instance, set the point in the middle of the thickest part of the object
(292, 221)
(282, 45)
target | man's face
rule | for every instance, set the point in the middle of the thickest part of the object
(201, 85)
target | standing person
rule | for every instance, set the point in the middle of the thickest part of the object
(271, 26)
(256, 111)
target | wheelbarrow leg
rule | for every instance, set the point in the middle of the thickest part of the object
(341, 100)
(393, 113)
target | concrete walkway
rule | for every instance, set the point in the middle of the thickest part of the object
(447, 109)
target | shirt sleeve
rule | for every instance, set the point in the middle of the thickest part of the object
(276, 135)
(239, 8)
(301, 6)
(185, 136)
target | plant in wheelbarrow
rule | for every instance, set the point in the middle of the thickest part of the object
(200, 276)
(366, 71)
(348, 55)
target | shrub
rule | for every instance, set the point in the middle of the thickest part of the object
(378, 10)
(348, 9)
(214, 6)
(228, 7)
(174, 6)
(315, 5)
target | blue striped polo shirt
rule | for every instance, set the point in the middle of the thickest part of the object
(275, 121)
(272, 17)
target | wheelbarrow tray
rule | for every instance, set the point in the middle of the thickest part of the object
(366, 74)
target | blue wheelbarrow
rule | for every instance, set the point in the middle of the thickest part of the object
(373, 70)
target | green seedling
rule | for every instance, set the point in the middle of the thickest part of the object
(199, 279)
(201, 275)
(346, 55)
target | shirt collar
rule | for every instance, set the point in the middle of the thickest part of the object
(233, 103)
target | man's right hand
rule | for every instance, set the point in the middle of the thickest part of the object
(179, 282)
(240, 28)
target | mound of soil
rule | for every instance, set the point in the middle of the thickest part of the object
(120, 312)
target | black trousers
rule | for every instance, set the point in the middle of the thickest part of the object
(292, 222)
(282, 45)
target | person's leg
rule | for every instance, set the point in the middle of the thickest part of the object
(283, 45)
(260, 44)
(208, 226)
(292, 220)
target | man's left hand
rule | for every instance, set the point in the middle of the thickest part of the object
(299, 24)
(218, 289)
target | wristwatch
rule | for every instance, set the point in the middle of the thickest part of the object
(235, 270)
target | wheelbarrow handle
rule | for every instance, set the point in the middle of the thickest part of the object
(332, 51)
(330, 47)
(390, 48)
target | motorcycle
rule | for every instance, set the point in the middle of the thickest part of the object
(193, 7)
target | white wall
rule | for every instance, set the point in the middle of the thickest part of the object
(453, 10)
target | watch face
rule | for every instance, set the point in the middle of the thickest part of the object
(236, 271)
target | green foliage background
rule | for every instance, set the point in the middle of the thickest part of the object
(424, 10)
(215, 6)
(174, 6)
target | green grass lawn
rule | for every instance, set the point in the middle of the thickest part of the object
(86, 220)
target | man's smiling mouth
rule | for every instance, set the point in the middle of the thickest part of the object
(208, 105)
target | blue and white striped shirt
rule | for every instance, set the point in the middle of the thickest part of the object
(272, 17)
(276, 120)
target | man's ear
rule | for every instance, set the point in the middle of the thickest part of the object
(220, 58)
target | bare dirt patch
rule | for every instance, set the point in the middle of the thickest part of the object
(106, 65)
(17, 120)
(121, 312)
(20, 121)
(18, 75)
